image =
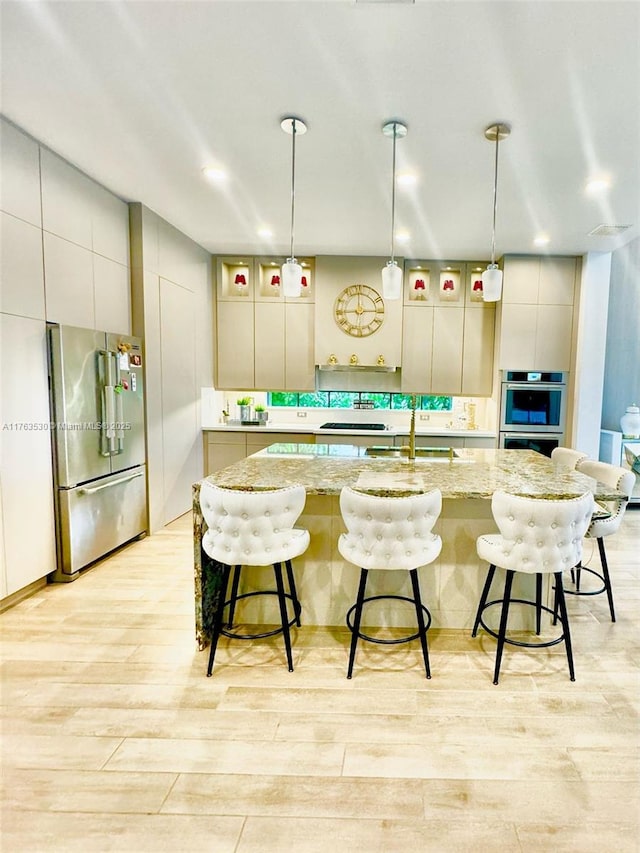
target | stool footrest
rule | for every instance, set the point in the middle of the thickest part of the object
(599, 591)
(380, 640)
(297, 609)
(511, 642)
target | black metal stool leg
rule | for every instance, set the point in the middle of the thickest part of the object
(217, 623)
(357, 616)
(234, 595)
(297, 607)
(578, 567)
(483, 599)
(420, 617)
(564, 619)
(538, 602)
(606, 578)
(502, 632)
(282, 601)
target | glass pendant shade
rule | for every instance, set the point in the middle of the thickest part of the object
(291, 278)
(391, 281)
(492, 283)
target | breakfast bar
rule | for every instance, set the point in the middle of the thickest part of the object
(326, 583)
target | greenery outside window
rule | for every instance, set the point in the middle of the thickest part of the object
(356, 399)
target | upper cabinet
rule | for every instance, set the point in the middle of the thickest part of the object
(264, 340)
(537, 312)
(448, 330)
(253, 279)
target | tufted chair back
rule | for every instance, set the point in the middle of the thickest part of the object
(620, 479)
(252, 528)
(536, 535)
(567, 457)
(390, 533)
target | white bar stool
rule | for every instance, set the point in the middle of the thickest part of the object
(537, 536)
(567, 457)
(606, 520)
(253, 529)
(389, 534)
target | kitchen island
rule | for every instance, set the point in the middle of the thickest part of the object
(326, 583)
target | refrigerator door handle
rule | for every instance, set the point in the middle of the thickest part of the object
(119, 416)
(94, 489)
(108, 406)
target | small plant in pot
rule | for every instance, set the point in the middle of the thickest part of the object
(244, 404)
(262, 414)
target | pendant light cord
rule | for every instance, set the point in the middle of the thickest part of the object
(293, 178)
(495, 200)
(393, 190)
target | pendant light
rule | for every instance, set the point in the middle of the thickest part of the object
(391, 273)
(492, 276)
(291, 270)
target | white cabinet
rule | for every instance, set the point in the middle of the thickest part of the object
(448, 330)
(21, 268)
(537, 313)
(417, 347)
(20, 174)
(264, 340)
(299, 364)
(222, 449)
(235, 345)
(446, 369)
(477, 353)
(269, 352)
(25, 451)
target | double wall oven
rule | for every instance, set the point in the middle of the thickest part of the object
(533, 410)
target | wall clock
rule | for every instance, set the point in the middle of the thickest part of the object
(359, 310)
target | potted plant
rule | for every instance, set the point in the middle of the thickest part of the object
(245, 408)
(262, 414)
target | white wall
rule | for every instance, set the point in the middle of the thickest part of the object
(65, 258)
(590, 354)
(173, 312)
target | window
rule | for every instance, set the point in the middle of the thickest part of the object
(358, 399)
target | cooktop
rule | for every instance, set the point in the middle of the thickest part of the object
(341, 425)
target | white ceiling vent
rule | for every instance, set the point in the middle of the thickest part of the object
(608, 230)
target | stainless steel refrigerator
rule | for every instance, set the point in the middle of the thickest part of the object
(96, 390)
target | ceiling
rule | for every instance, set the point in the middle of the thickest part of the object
(142, 95)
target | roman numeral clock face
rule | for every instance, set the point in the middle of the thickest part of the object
(359, 310)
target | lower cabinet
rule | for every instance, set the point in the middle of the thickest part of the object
(222, 449)
(375, 439)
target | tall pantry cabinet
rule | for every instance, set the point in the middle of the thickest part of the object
(65, 258)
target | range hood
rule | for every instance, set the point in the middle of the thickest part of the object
(355, 368)
(360, 377)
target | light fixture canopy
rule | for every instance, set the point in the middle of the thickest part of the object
(391, 273)
(291, 270)
(492, 276)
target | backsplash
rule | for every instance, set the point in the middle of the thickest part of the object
(213, 403)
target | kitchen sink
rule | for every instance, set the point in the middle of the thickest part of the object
(421, 452)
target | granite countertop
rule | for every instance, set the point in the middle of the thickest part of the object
(314, 429)
(324, 469)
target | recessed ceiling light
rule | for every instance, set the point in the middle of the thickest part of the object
(407, 179)
(597, 185)
(403, 236)
(541, 240)
(214, 174)
(265, 233)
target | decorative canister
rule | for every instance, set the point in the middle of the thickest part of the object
(630, 422)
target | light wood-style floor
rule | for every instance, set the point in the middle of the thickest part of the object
(114, 739)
